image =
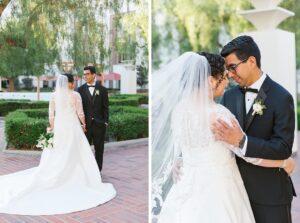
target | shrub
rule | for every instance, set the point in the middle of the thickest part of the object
(125, 102)
(124, 126)
(23, 131)
(23, 127)
(127, 109)
(12, 105)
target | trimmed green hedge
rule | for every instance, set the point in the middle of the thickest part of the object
(12, 105)
(7, 106)
(124, 126)
(125, 102)
(127, 109)
(140, 98)
(23, 127)
(23, 131)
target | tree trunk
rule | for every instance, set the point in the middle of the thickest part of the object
(11, 86)
(3, 5)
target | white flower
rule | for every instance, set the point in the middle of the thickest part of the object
(97, 92)
(258, 107)
(45, 141)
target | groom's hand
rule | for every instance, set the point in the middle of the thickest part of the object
(176, 170)
(226, 133)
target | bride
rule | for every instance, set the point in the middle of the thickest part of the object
(67, 178)
(211, 189)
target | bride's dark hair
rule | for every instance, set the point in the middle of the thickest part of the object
(217, 65)
(70, 78)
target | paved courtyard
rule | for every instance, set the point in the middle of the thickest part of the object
(125, 166)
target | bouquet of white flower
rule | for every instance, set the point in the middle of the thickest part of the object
(45, 141)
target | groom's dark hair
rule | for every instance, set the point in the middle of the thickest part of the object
(90, 68)
(70, 78)
(243, 47)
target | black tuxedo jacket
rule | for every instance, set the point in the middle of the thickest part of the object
(270, 136)
(95, 107)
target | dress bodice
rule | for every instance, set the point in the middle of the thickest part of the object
(74, 105)
(192, 134)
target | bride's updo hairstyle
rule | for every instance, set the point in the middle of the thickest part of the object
(217, 65)
(70, 77)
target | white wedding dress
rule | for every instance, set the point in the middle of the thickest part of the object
(67, 178)
(210, 189)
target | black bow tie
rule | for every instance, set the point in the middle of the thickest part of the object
(91, 85)
(248, 89)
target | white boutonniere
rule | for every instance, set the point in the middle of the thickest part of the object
(97, 92)
(258, 107)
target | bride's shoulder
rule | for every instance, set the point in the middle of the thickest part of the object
(76, 94)
(221, 110)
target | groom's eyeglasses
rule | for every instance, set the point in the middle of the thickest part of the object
(232, 67)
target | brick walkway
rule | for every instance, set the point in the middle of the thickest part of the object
(125, 167)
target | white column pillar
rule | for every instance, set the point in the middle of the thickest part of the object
(277, 47)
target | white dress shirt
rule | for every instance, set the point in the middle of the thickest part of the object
(249, 99)
(92, 89)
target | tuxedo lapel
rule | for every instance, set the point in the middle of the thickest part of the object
(240, 108)
(87, 92)
(260, 96)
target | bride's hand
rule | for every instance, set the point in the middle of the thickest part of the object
(176, 170)
(290, 166)
(84, 128)
(49, 129)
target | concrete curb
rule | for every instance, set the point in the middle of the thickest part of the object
(111, 146)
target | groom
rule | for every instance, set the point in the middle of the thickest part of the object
(265, 111)
(95, 106)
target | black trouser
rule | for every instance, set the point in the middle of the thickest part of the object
(272, 214)
(96, 135)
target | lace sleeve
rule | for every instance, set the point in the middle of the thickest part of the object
(78, 106)
(225, 115)
(52, 110)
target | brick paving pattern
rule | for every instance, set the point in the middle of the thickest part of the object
(126, 168)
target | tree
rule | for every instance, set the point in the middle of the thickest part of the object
(27, 44)
(3, 4)
(38, 29)
(187, 25)
(292, 24)
(142, 75)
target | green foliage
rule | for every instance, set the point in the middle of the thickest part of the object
(195, 25)
(142, 75)
(126, 102)
(124, 126)
(24, 127)
(23, 131)
(7, 106)
(132, 33)
(292, 24)
(124, 99)
(27, 81)
(33, 36)
(27, 43)
(127, 109)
